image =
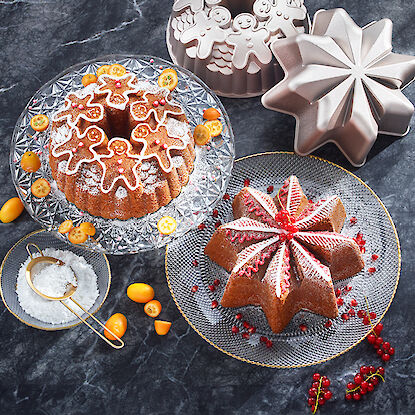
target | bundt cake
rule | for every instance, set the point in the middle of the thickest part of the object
(283, 253)
(120, 147)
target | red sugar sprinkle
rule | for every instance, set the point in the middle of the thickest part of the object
(353, 220)
(303, 327)
(247, 182)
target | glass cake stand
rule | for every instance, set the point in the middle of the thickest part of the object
(187, 266)
(206, 187)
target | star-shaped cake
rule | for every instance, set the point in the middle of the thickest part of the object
(283, 253)
(343, 84)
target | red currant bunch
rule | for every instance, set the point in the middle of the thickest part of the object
(364, 382)
(383, 348)
(319, 392)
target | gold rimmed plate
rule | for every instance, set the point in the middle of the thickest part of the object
(18, 254)
(186, 266)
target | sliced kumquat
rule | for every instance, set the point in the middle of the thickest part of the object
(117, 70)
(30, 162)
(168, 79)
(215, 127)
(65, 226)
(88, 79)
(166, 225)
(211, 114)
(77, 236)
(40, 188)
(162, 327)
(11, 210)
(39, 122)
(103, 70)
(153, 308)
(201, 135)
(88, 228)
(140, 292)
(117, 323)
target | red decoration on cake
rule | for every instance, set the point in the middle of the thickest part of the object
(274, 250)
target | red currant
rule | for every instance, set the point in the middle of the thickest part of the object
(381, 370)
(375, 257)
(361, 313)
(391, 351)
(238, 316)
(321, 401)
(212, 288)
(338, 292)
(245, 336)
(375, 381)
(340, 301)
(372, 270)
(311, 401)
(353, 303)
(269, 344)
(247, 182)
(326, 383)
(378, 328)
(246, 325)
(366, 321)
(202, 226)
(356, 396)
(349, 396)
(386, 357)
(351, 312)
(372, 369)
(363, 385)
(316, 376)
(263, 339)
(379, 341)
(358, 379)
(386, 346)
(364, 370)
(252, 330)
(351, 385)
(328, 324)
(216, 282)
(226, 196)
(345, 316)
(328, 395)
(379, 352)
(215, 213)
(315, 385)
(235, 329)
(370, 387)
(371, 338)
(372, 315)
(363, 391)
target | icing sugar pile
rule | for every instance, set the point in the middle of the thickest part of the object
(52, 280)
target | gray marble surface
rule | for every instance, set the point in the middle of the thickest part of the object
(71, 372)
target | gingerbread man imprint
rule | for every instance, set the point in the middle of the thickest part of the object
(248, 41)
(195, 5)
(120, 164)
(207, 30)
(280, 15)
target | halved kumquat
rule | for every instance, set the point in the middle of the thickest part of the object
(168, 79)
(39, 122)
(215, 127)
(166, 225)
(103, 70)
(153, 308)
(77, 236)
(162, 327)
(88, 228)
(40, 188)
(65, 226)
(117, 70)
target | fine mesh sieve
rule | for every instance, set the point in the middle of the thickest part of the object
(292, 347)
(17, 255)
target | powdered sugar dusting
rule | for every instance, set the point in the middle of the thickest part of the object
(177, 161)
(90, 180)
(179, 129)
(60, 136)
(121, 193)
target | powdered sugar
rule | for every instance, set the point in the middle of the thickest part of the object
(178, 129)
(121, 193)
(177, 161)
(89, 180)
(60, 136)
(53, 311)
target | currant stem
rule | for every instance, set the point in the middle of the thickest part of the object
(318, 394)
(366, 379)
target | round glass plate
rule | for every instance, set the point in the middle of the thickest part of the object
(207, 183)
(293, 347)
(17, 255)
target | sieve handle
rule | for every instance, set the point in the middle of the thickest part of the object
(114, 345)
(30, 252)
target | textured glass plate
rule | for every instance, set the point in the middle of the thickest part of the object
(207, 183)
(17, 255)
(292, 347)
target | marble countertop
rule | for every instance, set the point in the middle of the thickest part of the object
(71, 372)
